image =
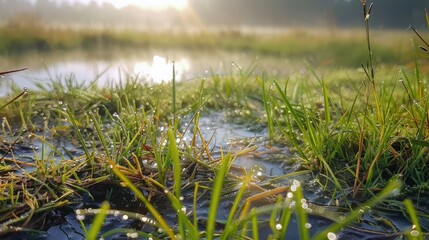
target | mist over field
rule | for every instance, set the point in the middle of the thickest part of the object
(396, 14)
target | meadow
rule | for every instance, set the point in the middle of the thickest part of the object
(354, 120)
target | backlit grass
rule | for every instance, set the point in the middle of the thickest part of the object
(361, 134)
(333, 48)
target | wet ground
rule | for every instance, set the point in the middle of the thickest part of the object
(267, 162)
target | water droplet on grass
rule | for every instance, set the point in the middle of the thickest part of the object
(125, 217)
(296, 183)
(332, 236)
(132, 235)
(414, 233)
(279, 226)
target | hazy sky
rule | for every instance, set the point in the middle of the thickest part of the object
(148, 4)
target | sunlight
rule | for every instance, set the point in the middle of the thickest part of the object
(150, 4)
(160, 69)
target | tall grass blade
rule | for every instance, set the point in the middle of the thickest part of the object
(267, 106)
(416, 231)
(174, 92)
(98, 222)
(157, 216)
(255, 226)
(301, 213)
(100, 134)
(216, 194)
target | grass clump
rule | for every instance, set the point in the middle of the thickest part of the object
(379, 133)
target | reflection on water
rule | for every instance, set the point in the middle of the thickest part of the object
(156, 70)
(160, 70)
(150, 66)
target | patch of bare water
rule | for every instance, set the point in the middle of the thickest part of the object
(153, 66)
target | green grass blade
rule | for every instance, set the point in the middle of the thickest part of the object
(157, 216)
(98, 222)
(416, 231)
(255, 226)
(173, 153)
(267, 106)
(216, 194)
(100, 133)
(301, 213)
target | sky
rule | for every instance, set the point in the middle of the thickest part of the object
(145, 4)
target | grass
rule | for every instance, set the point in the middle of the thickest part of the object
(362, 134)
(333, 48)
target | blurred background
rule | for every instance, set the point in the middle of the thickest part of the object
(189, 14)
(109, 40)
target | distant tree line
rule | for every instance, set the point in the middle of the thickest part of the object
(236, 13)
(326, 13)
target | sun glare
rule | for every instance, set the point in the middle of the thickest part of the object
(151, 4)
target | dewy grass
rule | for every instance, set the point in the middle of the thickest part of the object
(361, 142)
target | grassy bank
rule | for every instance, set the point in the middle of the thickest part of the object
(335, 47)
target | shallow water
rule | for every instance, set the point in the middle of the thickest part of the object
(267, 161)
(148, 65)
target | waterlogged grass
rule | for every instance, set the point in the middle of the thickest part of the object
(362, 134)
(129, 138)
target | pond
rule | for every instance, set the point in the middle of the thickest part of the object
(153, 66)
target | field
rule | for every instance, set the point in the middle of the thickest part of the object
(352, 120)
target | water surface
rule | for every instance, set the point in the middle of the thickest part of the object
(153, 66)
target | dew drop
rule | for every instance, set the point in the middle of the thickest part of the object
(307, 225)
(80, 217)
(125, 217)
(132, 235)
(279, 226)
(296, 183)
(331, 236)
(396, 192)
(414, 233)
